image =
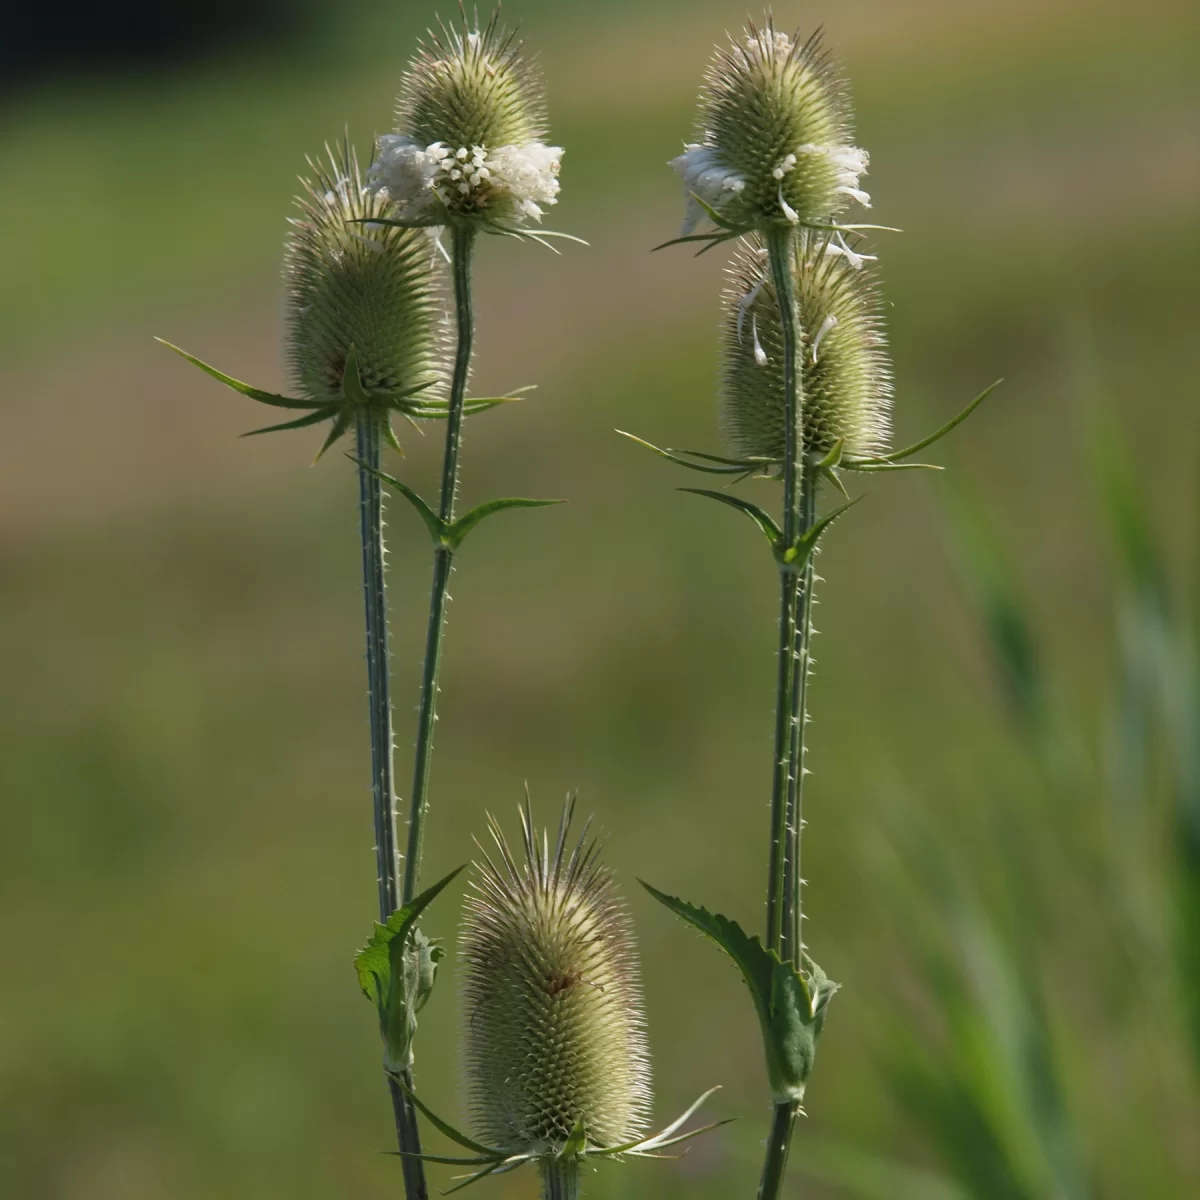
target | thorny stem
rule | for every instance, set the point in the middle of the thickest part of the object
(793, 882)
(383, 787)
(779, 254)
(462, 246)
(408, 1137)
(560, 1178)
(795, 627)
(778, 1144)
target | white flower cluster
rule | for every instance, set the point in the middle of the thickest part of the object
(704, 175)
(848, 161)
(761, 42)
(424, 182)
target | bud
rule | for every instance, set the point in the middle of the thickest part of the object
(845, 375)
(775, 130)
(470, 122)
(553, 1027)
(373, 287)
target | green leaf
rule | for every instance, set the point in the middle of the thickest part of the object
(434, 523)
(675, 456)
(576, 1145)
(314, 418)
(352, 385)
(454, 534)
(797, 557)
(791, 1004)
(770, 530)
(897, 455)
(340, 428)
(455, 1135)
(244, 388)
(397, 979)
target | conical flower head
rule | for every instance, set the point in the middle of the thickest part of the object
(371, 287)
(845, 374)
(775, 136)
(470, 122)
(553, 1024)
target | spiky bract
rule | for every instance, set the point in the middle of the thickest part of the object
(775, 135)
(553, 1023)
(373, 287)
(845, 374)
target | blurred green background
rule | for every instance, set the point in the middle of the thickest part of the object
(1003, 850)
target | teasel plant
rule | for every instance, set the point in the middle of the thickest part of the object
(369, 336)
(554, 1049)
(806, 394)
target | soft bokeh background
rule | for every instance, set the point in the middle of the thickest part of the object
(1004, 843)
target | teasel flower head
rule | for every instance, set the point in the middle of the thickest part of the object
(363, 296)
(775, 143)
(845, 373)
(469, 144)
(554, 1031)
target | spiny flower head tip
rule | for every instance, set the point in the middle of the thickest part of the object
(469, 145)
(775, 132)
(554, 1034)
(351, 283)
(845, 374)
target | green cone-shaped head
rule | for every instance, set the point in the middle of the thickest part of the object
(553, 1024)
(845, 375)
(373, 287)
(775, 135)
(471, 87)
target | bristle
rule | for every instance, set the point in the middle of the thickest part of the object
(371, 286)
(775, 130)
(553, 1022)
(845, 374)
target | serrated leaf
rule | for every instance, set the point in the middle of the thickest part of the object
(238, 386)
(456, 533)
(791, 1004)
(763, 520)
(397, 979)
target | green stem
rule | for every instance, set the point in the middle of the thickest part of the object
(462, 246)
(778, 1144)
(779, 248)
(408, 1136)
(378, 689)
(793, 883)
(560, 1178)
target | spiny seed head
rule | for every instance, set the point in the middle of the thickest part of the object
(775, 135)
(373, 287)
(553, 1025)
(470, 123)
(845, 375)
(471, 87)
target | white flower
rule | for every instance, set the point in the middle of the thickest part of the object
(849, 162)
(826, 325)
(425, 183)
(836, 246)
(528, 174)
(704, 175)
(762, 41)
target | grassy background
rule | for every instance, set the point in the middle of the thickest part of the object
(998, 829)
